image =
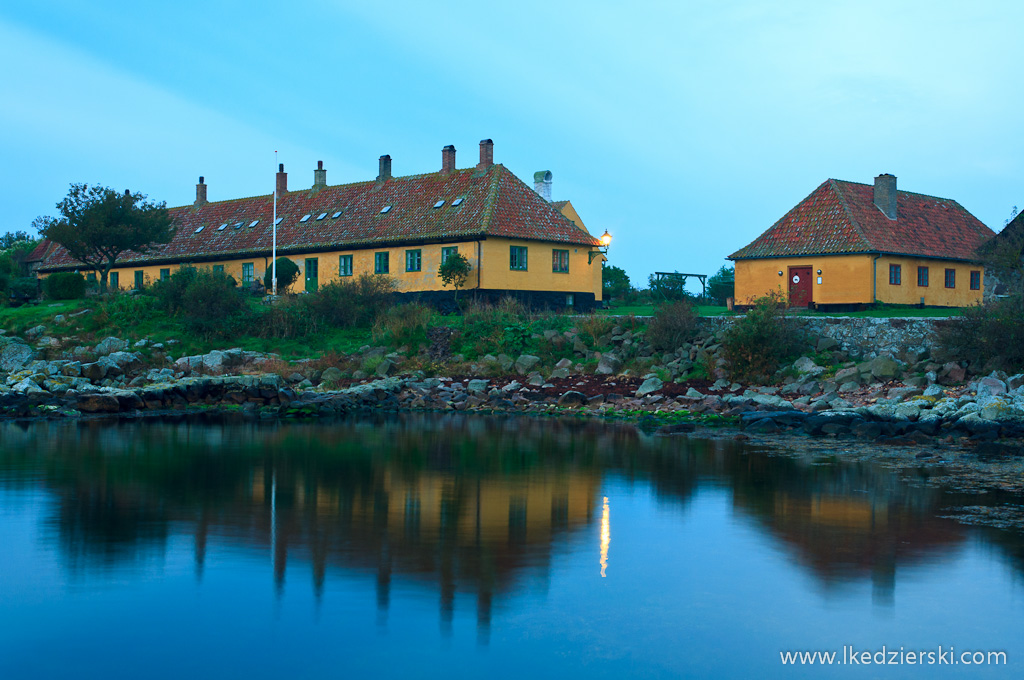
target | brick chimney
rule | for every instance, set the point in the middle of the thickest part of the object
(486, 154)
(542, 184)
(885, 194)
(201, 192)
(319, 176)
(384, 173)
(282, 180)
(448, 159)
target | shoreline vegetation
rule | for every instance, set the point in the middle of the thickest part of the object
(349, 348)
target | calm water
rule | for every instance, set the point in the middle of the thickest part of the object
(431, 546)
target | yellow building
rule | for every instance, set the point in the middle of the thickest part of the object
(517, 242)
(850, 244)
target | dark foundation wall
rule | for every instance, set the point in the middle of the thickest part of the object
(444, 300)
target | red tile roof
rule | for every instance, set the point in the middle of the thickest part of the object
(494, 203)
(841, 218)
(39, 252)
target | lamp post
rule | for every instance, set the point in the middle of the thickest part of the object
(606, 240)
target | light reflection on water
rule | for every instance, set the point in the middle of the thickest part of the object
(470, 545)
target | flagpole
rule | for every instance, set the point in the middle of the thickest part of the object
(273, 257)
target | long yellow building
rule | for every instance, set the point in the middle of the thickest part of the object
(518, 242)
(850, 244)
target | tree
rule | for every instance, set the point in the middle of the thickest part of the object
(454, 271)
(614, 281)
(97, 225)
(287, 272)
(14, 248)
(722, 285)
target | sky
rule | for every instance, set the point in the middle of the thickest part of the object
(684, 129)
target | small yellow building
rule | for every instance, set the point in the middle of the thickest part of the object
(849, 244)
(518, 242)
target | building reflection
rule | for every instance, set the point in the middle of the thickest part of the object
(471, 508)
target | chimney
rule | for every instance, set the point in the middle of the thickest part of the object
(282, 180)
(319, 176)
(542, 184)
(885, 195)
(486, 154)
(385, 168)
(201, 192)
(448, 159)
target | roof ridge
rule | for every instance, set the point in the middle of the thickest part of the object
(849, 213)
(898, 190)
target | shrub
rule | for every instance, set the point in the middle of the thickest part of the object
(592, 328)
(209, 303)
(337, 304)
(454, 271)
(483, 325)
(287, 272)
(673, 324)
(403, 324)
(26, 287)
(170, 292)
(64, 286)
(991, 335)
(756, 342)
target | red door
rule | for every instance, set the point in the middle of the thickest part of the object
(800, 286)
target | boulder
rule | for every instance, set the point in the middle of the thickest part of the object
(650, 385)
(952, 373)
(572, 398)
(477, 385)
(560, 373)
(564, 363)
(806, 366)
(331, 376)
(990, 387)
(15, 356)
(110, 344)
(884, 368)
(610, 364)
(94, 371)
(98, 403)
(525, 363)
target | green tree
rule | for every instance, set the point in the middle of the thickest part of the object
(454, 271)
(97, 225)
(287, 272)
(14, 248)
(722, 285)
(614, 282)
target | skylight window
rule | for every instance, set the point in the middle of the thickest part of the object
(305, 218)
(222, 227)
(385, 209)
(239, 225)
(253, 223)
(439, 203)
(199, 229)
(278, 221)
(457, 201)
(336, 215)
(321, 216)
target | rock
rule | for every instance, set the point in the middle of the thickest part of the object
(1015, 382)
(952, 373)
(94, 371)
(331, 376)
(564, 363)
(826, 345)
(535, 379)
(525, 363)
(72, 369)
(35, 332)
(384, 368)
(990, 387)
(506, 362)
(845, 375)
(511, 387)
(675, 428)
(560, 373)
(15, 356)
(851, 386)
(27, 386)
(806, 366)
(98, 403)
(110, 344)
(903, 393)
(933, 391)
(691, 393)
(141, 343)
(572, 398)
(610, 364)
(884, 368)
(650, 385)
(477, 385)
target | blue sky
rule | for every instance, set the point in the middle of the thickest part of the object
(683, 128)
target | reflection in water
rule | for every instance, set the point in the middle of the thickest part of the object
(606, 536)
(470, 506)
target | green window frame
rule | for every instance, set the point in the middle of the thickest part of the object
(560, 261)
(90, 277)
(975, 279)
(115, 280)
(140, 279)
(165, 274)
(248, 273)
(381, 264)
(950, 278)
(922, 277)
(413, 260)
(344, 265)
(895, 275)
(517, 258)
(447, 252)
(218, 268)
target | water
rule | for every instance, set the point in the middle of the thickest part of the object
(460, 546)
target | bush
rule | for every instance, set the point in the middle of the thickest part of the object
(26, 288)
(209, 303)
(403, 325)
(287, 272)
(483, 325)
(721, 285)
(757, 342)
(592, 328)
(673, 324)
(64, 286)
(989, 336)
(337, 304)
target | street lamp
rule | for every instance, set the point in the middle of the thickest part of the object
(606, 240)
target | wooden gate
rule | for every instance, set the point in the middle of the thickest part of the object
(800, 291)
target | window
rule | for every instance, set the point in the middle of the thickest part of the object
(253, 223)
(560, 261)
(90, 277)
(345, 265)
(950, 278)
(457, 201)
(165, 274)
(975, 279)
(380, 263)
(413, 260)
(247, 273)
(218, 268)
(305, 218)
(448, 252)
(922, 277)
(140, 279)
(115, 280)
(895, 274)
(517, 258)
(385, 209)
(439, 203)
(321, 216)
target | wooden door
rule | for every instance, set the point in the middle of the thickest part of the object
(800, 290)
(312, 274)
